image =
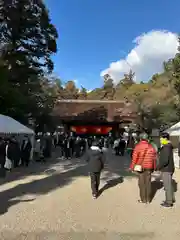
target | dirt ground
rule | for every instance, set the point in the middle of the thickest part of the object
(53, 201)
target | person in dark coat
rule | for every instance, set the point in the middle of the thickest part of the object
(122, 146)
(71, 145)
(26, 151)
(77, 147)
(66, 144)
(101, 142)
(2, 157)
(166, 166)
(48, 146)
(96, 159)
(83, 144)
(14, 152)
(89, 140)
(131, 144)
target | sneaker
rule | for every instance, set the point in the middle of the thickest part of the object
(140, 201)
(167, 205)
(94, 196)
(174, 201)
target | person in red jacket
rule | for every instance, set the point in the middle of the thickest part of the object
(144, 155)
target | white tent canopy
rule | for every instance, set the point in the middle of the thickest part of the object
(10, 126)
(174, 130)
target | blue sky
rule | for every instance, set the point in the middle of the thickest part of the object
(94, 33)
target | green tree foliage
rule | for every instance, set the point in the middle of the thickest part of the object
(83, 93)
(70, 90)
(156, 102)
(108, 87)
(27, 41)
(128, 80)
(176, 71)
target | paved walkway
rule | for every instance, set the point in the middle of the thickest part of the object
(53, 201)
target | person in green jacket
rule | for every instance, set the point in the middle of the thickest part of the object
(156, 148)
(154, 145)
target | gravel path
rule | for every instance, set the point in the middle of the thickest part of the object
(53, 201)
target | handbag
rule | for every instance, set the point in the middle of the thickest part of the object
(138, 167)
(8, 163)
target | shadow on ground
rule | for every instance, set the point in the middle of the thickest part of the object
(157, 185)
(117, 166)
(8, 204)
(56, 179)
(110, 184)
(35, 168)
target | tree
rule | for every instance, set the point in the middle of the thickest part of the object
(108, 81)
(27, 40)
(128, 80)
(108, 87)
(70, 90)
(174, 70)
(83, 93)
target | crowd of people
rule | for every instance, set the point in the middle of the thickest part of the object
(146, 157)
(14, 153)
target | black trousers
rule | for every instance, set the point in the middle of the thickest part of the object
(16, 162)
(95, 181)
(122, 150)
(145, 186)
(25, 160)
(116, 151)
(67, 152)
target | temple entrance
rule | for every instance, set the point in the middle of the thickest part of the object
(93, 117)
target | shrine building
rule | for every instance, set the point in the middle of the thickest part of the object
(93, 116)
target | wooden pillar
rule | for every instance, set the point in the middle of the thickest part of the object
(110, 112)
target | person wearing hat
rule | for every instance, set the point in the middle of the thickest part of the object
(166, 166)
(95, 158)
(144, 163)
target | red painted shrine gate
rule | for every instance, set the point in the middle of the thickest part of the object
(103, 130)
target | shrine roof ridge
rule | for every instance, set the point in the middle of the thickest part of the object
(89, 101)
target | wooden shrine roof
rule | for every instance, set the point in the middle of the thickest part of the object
(93, 110)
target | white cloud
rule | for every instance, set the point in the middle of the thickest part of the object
(76, 81)
(146, 58)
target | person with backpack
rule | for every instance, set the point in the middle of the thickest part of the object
(95, 158)
(144, 163)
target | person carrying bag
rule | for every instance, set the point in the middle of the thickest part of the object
(144, 163)
(2, 158)
(8, 162)
(139, 167)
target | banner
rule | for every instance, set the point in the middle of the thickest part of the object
(91, 129)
